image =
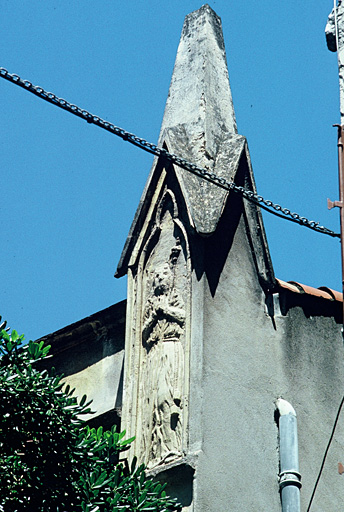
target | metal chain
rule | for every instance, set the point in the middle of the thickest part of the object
(269, 206)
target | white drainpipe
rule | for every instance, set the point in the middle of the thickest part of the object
(289, 478)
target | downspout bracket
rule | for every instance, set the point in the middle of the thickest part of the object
(290, 478)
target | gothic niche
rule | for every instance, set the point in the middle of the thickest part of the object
(162, 369)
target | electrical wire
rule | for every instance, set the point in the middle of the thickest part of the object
(325, 454)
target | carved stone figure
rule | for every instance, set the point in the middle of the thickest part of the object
(163, 375)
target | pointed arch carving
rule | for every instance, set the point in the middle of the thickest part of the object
(161, 337)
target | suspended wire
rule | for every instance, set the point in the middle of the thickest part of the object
(269, 206)
(325, 454)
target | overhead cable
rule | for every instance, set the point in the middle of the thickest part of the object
(251, 196)
(325, 454)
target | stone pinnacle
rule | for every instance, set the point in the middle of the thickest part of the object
(199, 96)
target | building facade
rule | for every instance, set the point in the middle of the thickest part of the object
(193, 362)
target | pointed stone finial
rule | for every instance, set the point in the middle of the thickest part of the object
(199, 121)
(199, 96)
(199, 125)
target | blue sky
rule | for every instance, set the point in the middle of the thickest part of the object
(69, 190)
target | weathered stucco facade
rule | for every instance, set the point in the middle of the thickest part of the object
(212, 339)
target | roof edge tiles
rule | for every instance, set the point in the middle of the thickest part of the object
(334, 294)
(322, 292)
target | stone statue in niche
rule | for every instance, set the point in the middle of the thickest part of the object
(163, 382)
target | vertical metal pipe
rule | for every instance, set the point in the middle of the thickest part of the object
(289, 478)
(335, 43)
(341, 201)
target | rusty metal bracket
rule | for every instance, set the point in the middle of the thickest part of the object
(333, 204)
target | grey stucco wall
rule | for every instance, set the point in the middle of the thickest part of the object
(101, 382)
(90, 354)
(247, 361)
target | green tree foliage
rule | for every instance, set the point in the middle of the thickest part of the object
(50, 460)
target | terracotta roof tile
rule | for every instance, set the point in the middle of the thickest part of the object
(287, 286)
(334, 294)
(321, 292)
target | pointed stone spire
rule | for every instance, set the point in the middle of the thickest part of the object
(199, 125)
(200, 97)
(187, 242)
(199, 121)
